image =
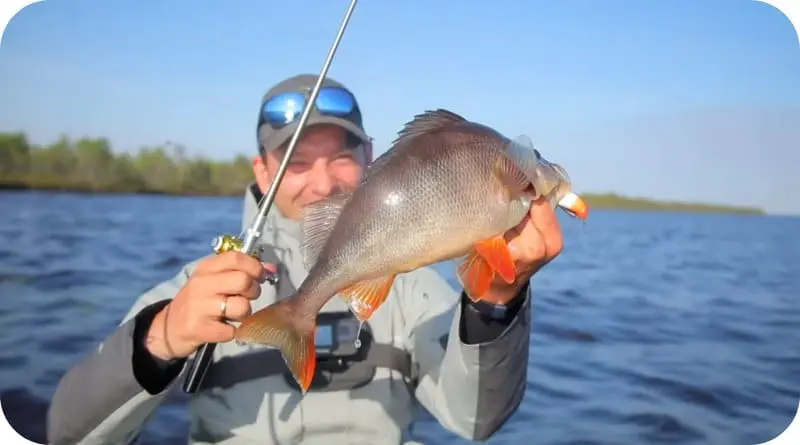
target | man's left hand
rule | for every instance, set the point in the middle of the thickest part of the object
(533, 243)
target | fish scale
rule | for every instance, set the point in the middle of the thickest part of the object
(447, 188)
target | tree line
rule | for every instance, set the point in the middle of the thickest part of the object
(91, 165)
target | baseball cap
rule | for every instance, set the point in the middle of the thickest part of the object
(271, 138)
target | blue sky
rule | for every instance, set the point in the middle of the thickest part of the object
(681, 99)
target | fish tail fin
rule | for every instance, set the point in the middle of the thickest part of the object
(285, 326)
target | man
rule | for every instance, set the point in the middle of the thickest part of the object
(427, 345)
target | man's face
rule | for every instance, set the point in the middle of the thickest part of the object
(321, 165)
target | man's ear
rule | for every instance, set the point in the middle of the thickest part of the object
(261, 173)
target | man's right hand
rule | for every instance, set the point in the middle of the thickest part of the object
(194, 317)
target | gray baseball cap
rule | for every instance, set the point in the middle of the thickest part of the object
(270, 138)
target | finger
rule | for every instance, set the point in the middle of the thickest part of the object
(223, 307)
(236, 308)
(526, 220)
(232, 260)
(270, 268)
(218, 332)
(544, 218)
(229, 283)
(528, 246)
(512, 238)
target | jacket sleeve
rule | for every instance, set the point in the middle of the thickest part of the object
(470, 385)
(109, 395)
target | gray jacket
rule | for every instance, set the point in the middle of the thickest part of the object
(470, 385)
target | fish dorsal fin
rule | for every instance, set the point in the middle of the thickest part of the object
(518, 168)
(318, 222)
(428, 121)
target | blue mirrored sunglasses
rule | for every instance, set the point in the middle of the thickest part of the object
(284, 108)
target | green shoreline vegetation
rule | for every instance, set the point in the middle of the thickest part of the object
(90, 165)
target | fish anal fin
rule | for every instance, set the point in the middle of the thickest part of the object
(428, 121)
(365, 297)
(281, 326)
(319, 219)
(496, 254)
(475, 275)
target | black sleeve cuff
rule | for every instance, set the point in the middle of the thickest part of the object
(152, 373)
(477, 327)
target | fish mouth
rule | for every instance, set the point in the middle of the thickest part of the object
(574, 205)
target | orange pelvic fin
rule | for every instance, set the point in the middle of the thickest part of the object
(281, 326)
(475, 275)
(488, 258)
(495, 252)
(365, 297)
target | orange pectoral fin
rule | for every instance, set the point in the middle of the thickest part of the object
(475, 275)
(495, 252)
(366, 297)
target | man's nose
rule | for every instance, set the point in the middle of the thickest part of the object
(322, 182)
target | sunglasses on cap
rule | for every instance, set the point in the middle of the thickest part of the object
(284, 108)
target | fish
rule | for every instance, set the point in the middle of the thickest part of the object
(447, 188)
(555, 179)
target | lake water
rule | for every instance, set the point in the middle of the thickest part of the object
(649, 328)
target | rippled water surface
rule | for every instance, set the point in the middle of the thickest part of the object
(649, 328)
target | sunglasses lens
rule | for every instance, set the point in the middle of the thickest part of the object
(284, 107)
(334, 101)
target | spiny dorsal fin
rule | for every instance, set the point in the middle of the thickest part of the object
(518, 169)
(428, 121)
(318, 221)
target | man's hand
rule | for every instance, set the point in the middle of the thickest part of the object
(535, 242)
(195, 317)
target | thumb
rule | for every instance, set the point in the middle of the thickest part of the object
(269, 267)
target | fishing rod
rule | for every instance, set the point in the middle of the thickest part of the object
(247, 243)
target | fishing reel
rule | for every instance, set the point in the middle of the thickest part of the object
(227, 243)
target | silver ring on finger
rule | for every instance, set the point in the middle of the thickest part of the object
(223, 307)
